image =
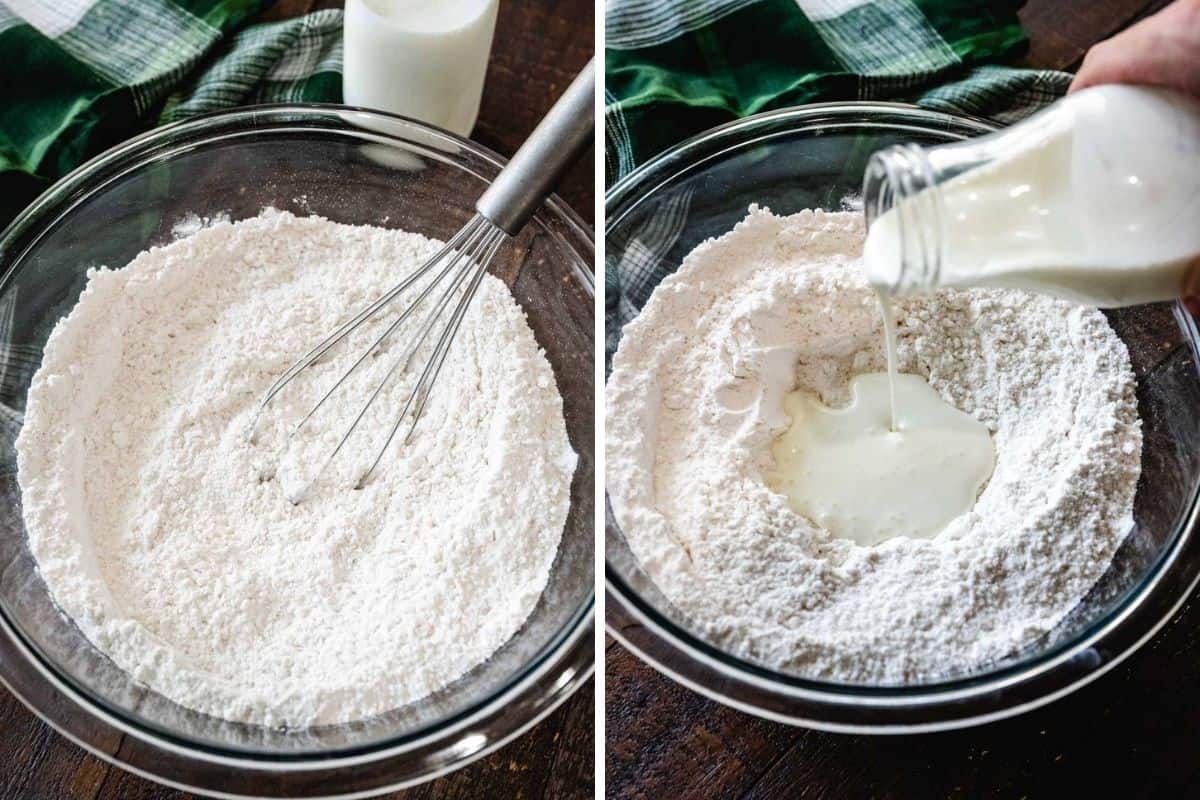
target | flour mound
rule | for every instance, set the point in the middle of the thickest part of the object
(166, 536)
(695, 400)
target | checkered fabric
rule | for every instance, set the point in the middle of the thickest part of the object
(677, 67)
(95, 72)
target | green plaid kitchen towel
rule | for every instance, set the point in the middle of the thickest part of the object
(677, 67)
(82, 75)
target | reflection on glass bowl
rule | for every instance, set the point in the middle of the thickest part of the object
(324, 160)
(813, 157)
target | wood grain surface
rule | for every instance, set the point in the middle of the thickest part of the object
(539, 47)
(1133, 733)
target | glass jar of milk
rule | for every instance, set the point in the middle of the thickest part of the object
(1095, 199)
(424, 59)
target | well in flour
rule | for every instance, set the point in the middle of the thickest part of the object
(167, 538)
(694, 401)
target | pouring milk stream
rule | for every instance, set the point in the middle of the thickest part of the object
(1096, 200)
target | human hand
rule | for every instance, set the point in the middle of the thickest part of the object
(1191, 289)
(1161, 50)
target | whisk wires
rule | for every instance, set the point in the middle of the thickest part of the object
(463, 260)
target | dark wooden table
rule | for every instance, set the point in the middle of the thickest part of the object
(1133, 733)
(539, 46)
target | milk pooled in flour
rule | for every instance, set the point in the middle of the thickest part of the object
(861, 477)
(1094, 200)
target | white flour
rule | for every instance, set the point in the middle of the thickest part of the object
(165, 535)
(694, 401)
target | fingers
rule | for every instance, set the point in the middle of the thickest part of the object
(1161, 50)
(1152, 60)
(1191, 288)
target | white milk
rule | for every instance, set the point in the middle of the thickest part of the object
(1096, 200)
(424, 59)
(860, 477)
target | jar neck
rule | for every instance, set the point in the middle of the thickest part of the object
(902, 183)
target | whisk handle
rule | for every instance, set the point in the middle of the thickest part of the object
(532, 173)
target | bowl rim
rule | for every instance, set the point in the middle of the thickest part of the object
(945, 704)
(263, 113)
(536, 689)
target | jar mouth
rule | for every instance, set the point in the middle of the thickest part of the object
(900, 183)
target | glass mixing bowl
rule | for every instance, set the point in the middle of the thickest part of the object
(813, 157)
(350, 166)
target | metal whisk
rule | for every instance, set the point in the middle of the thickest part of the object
(501, 211)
